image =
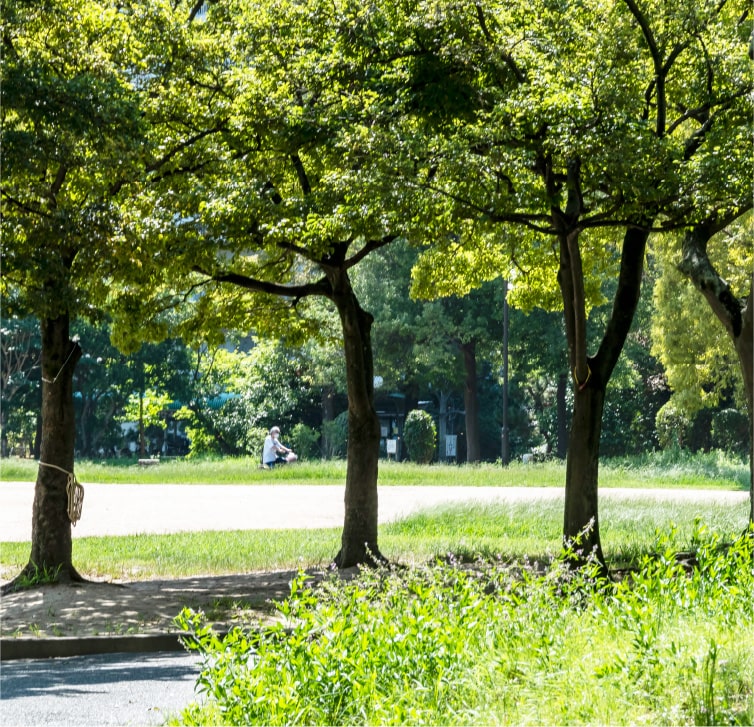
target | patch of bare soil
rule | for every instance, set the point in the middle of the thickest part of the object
(141, 607)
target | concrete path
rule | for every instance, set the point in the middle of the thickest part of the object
(135, 509)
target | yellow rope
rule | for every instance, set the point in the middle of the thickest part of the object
(75, 493)
(586, 380)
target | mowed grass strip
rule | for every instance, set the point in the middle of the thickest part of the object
(669, 469)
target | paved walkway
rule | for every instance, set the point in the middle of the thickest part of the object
(135, 509)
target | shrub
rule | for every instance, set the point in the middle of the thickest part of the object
(420, 436)
(304, 441)
(673, 427)
(335, 436)
(730, 431)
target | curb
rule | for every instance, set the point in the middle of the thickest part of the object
(62, 646)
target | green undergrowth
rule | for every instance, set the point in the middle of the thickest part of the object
(656, 469)
(486, 644)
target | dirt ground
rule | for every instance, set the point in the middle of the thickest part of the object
(140, 607)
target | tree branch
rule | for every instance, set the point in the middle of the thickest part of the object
(162, 161)
(303, 179)
(57, 185)
(626, 299)
(321, 287)
(369, 247)
(659, 79)
(696, 265)
(23, 206)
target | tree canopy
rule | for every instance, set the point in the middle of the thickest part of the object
(230, 163)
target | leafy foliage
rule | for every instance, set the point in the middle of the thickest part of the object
(494, 644)
(420, 436)
(701, 369)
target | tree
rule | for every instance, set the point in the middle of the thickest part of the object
(702, 368)
(579, 134)
(78, 85)
(736, 313)
(288, 204)
(421, 436)
(466, 323)
(437, 348)
(19, 386)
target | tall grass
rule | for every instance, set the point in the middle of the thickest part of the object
(656, 469)
(490, 645)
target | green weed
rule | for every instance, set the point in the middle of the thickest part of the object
(453, 644)
(34, 575)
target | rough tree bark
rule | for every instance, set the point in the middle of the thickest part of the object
(591, 375)
(562, 445)
(471, 403)
(359, 537)
(51, 542)
(735, 314)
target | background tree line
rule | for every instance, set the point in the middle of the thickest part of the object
(221, 401)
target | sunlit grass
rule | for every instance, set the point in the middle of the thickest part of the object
(508, 531)
(495, 645)
(658, 469)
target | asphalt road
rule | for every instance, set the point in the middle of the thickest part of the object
(106, 689)
(135, 509)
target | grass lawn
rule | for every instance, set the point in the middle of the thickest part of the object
(659, 469)
(510, 532)
(516, 531)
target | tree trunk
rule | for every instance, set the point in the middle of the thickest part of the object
(745, 349)
(328, 414)
(736, 315)
(85, 429)
(442, 432)
(51, 543)
(562, 423)
(591, 375)
(38, 435)
(142, 442)
(471, 403)
(581, 518)
(359, 538)
(3, 435)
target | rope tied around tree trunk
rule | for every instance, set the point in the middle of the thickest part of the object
(57, 376)
(75, 492)
(582, 385)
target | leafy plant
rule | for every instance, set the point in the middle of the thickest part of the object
(34, 575)
(305, 441)
(487, 643)
(335, 436)
(420, 436)
(730, 430)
